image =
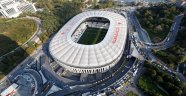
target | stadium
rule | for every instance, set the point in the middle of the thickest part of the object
(91, 42)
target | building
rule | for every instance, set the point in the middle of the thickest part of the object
(78, 57)
(181, 3)
(12, 8)
(10, 91)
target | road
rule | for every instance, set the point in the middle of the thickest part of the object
(166, 43)
(19, 69)
(143, 35)
(144, 39)
(22, 68)
(171, 37)
(97, 87)
(115, 79)
(124, 74)
(107, 83)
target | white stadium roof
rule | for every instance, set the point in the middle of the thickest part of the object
(70, 53)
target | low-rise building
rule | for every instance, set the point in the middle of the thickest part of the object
(13, 8)
(10, 90)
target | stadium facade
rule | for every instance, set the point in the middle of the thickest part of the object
(91, 58)
(13, 8)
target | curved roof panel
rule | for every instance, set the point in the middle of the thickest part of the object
(68, 52)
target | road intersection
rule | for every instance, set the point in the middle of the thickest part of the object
(129, 66)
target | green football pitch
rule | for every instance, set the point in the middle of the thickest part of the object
(92, 36)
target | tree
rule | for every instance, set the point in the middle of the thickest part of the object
(168, 79)
(181, 59)
(147, 13)
(131, 94)
(172, 9)
(159, 79)
(94, 3)
(106, 4)
(178, 92)
(158, 28)
(151, 72)
(171, 65)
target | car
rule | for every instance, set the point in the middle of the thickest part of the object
(169, 71)
(10, 76)
(103, 84)
(163, 68)
(167, 39)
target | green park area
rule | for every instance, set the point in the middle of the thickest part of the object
(174, 55)
(157, 20)
(149, 87)
(130, 93)
(101, 4)
(155, 82)
(92, 36)
(14, 32)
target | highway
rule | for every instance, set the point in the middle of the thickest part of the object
(166, 43)
(123, 75)
(100, 87)
(127, 67)
(113, 81)
(106, 83)
(24, 67)
(20, 69)
(142, 33)
(171, 37)
(144, 39)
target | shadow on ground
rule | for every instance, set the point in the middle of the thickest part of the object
(10, 61)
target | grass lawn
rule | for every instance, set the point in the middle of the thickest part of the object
(131, 94)
(157, 20)
(149, 86)
(92, 36)
(14, 32)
